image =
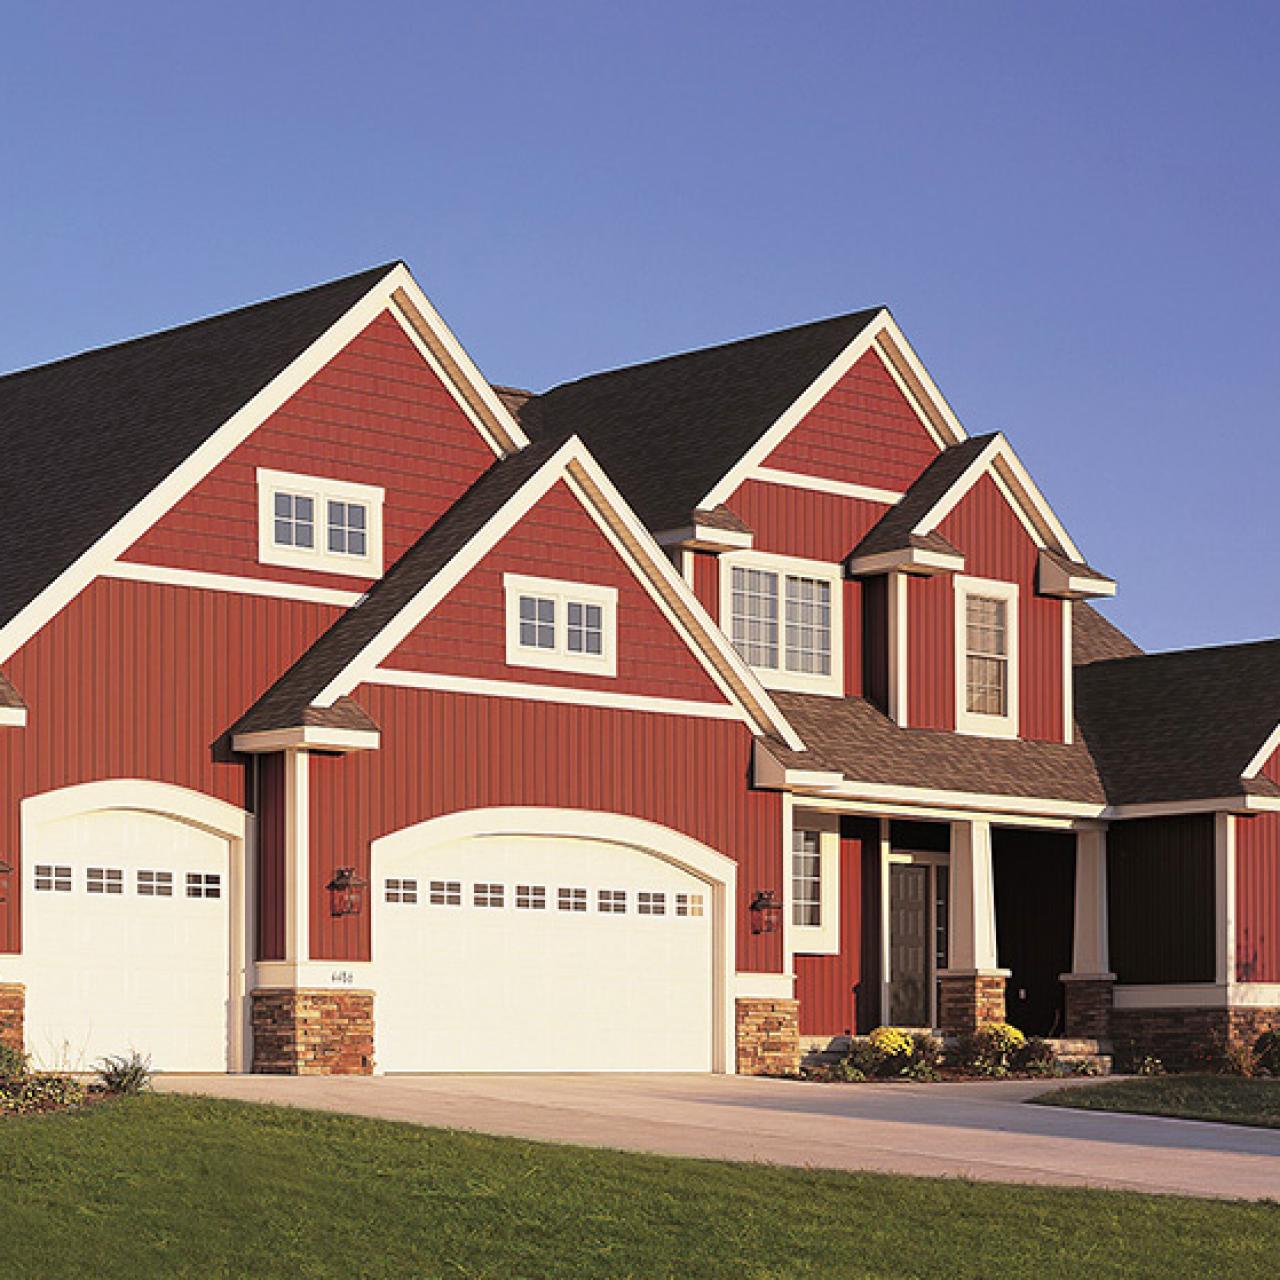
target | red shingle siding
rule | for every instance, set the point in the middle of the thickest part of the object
(444, 752)
(466, 633)
(864, 432)
(375, 414)
(1258, 898)
(138, 681)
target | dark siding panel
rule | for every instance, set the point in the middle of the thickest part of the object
(1258, 898)
(1160, 886)
(271, 855)
(875, 642)
(921, 837)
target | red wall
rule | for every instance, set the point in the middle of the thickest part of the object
(1258, 898)
(466, 633)
(799, 522)
(864, 432)
(133, 680)
(375, 414)
(443, 752)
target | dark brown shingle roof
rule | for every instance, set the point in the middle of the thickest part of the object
(666, 431)
(85, 439)
(1095, 638)
(1182, 725)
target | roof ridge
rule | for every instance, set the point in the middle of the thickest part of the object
(1189, 652)
(189, 325)
(715, 346)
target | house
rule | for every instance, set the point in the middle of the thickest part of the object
(357, 713)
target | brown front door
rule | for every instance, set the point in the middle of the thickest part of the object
(909, 942)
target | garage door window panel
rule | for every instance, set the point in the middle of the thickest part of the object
(51, 879)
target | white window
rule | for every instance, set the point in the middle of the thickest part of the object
(403, 891)
(155, 884)
(612, 901)
(783, 616)
(561, 626)
(688, 904)
(53, 879)
(104, 880)
(813, 886)
(531, 897)
(572, 900)
(489, 895)
(332, 526)
(986, 640)
(651, 904)
(203, 885)
(446, 893)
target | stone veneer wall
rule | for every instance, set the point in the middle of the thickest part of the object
(13, 1007)
(969, 1000)
(768, 1037)
(1088, 1007)
(313, 1033)
(1174, 1035)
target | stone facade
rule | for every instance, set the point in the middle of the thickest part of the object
(768, 1036)
(1176, 1035)
(1088, 1007)
(969, 1000)
(13, 1008)
(313, 1033)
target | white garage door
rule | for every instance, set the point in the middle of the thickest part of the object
(126, 941)
(533, 953)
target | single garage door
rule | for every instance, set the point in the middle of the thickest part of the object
(534, 953)
(126, 939)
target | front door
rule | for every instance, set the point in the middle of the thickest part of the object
(909, 942)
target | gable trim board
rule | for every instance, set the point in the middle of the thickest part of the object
(866, 341)
(1265, 752)
(396, 283)
(275, 588)
(839, 488)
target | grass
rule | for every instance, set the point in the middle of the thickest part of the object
(189, 1187)
(1226, 1099)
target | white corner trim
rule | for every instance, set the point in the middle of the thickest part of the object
(163, 575)
(897, 606)
(562, 593)
(13, 717)
(822, 484)
(1068, 675)
(297, 857)
(783, 567)
(1265, 752)
(1224, 858)
(972, 722)
(304, 737)
(318, 558)
(400, 678)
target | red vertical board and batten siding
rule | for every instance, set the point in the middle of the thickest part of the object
(1258, 896)
(446, 752)
(863, 431)
(465, 635)
(995, 545)
(135, 680)
(375, 414)
(790, 521)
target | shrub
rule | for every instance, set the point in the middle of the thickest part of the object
(928, 1049)
(1266, 1051)
(126, 1074)
(1037, 1058)
(38, 1093)
(1149, 1065)
(13, 1064)
(990, 1050)
(894, 1049)
(1239, 1060)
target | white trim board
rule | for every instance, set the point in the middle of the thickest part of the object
(197, 580)
(1265, 752)
(821, 484)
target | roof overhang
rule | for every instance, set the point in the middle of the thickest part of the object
(709, 531)
(924, 561)
(307, 738)
(13, 717)
(1058, 576)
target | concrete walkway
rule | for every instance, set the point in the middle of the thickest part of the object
(982, 1130)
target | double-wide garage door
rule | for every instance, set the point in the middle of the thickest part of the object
(126, 940)
(534, 953)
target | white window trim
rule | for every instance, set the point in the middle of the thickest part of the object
(563, 593)
(821, 939)
(319, 558)
(973, 722)
(799, 682)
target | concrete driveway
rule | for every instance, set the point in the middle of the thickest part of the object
(981, 1130)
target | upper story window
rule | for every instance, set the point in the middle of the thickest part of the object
(332, 526)
(986, 657)
(783, 616)
(561, 626)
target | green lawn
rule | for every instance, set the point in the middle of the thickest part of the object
(168, 1186)
(1227, 1099)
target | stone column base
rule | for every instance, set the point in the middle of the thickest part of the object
(1089, 998)
(971, 999)
(768, 1037)
(13, 1011)
(1178, 1037)
(313, 1033)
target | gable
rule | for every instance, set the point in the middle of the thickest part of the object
(465, 634)
(375, 414)
(864, 431)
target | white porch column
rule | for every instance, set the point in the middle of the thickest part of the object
(973, 899)
(1225, 894)
(297, 858)
(1090, 956)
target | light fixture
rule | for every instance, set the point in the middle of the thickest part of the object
(766, 911)
(346, 892)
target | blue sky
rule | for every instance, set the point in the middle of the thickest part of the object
(1071, 209)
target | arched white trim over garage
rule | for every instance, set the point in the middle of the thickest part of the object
(177, 804)
(713, 869)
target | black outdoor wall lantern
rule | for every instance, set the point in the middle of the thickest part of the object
(766, 911)
(346, 892)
